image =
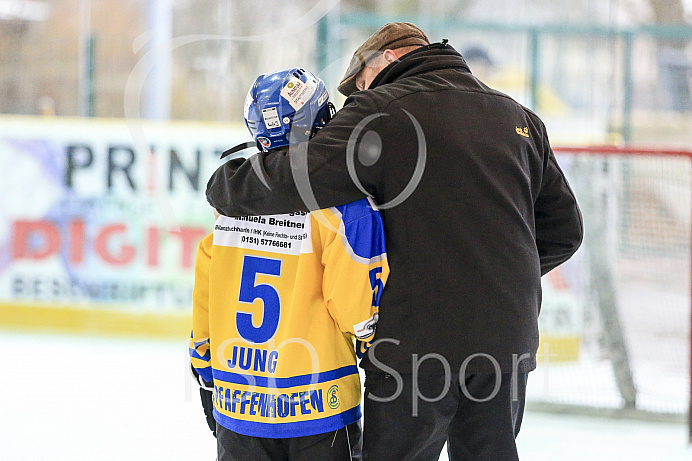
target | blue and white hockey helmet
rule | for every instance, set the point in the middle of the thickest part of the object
(286, 107)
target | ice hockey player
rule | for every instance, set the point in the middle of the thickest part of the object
(283, 304)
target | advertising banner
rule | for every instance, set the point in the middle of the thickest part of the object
(101, 213)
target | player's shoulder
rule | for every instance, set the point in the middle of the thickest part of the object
(354, 211)
(206, 243)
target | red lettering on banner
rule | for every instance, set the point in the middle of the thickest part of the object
(152, 247)
(77, 241)
(127, 252)
(111, 244)
(23, 231)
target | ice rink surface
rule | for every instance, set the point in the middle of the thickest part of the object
(86, 398)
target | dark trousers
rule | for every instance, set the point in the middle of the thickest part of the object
(479, 421)
(342, 445)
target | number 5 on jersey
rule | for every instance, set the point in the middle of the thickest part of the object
(250, 291)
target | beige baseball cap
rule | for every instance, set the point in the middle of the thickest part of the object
(390, 36)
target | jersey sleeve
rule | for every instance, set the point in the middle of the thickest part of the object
(200, 355)
(355, 270)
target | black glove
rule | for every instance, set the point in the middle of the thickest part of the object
(205, 393)
(208, 405)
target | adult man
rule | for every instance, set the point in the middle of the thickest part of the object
(278, 301)
(475, 210)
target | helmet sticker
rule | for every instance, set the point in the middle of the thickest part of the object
(271, 118)
(323, 98)
(297, 92)
(266, 143)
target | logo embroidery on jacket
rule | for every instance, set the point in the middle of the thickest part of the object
(523, 131)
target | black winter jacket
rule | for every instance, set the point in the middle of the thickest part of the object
(474, 204)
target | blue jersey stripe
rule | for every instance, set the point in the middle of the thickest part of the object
(195, 355)
(197, 344)
(205, 373)
(281, 383)
(363, 229)
(285, 430)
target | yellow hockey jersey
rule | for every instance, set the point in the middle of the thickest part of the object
(277, 304)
